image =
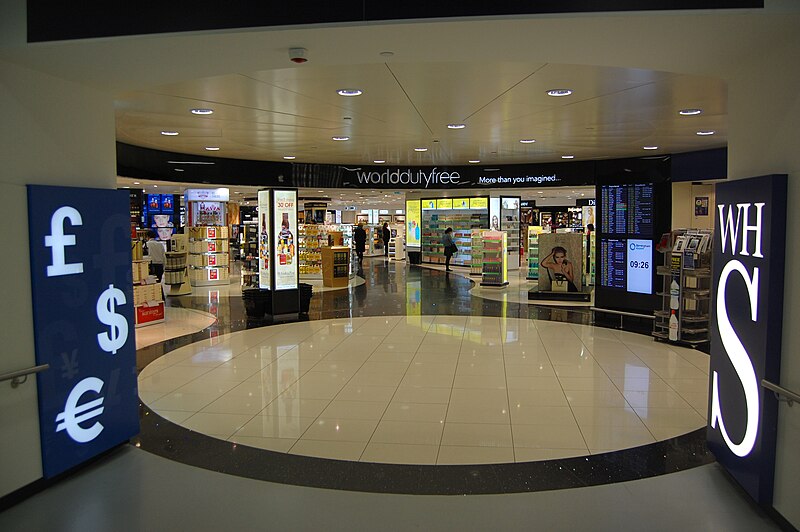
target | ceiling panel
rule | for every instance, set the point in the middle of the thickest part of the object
(267, 115)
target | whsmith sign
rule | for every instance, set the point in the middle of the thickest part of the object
(746, 329)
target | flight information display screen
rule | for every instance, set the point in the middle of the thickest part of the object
(613, 270)
(627, 209)
(625, 239)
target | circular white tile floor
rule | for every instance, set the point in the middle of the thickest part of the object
(432, 389)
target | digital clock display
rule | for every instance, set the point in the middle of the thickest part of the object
(640, 264)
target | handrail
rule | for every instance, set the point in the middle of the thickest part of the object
(788, 395)
(14, 376)
(622, 313)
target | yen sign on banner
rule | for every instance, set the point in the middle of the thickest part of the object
(83, 313)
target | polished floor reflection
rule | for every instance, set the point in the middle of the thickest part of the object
(432, 390)
(408, 383)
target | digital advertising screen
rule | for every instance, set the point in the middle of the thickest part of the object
(413, 223)
(284, 231)
(263, 240)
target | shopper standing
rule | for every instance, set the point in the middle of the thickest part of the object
(360, 240)
(387, 235)
(449, 247)
(155, 250)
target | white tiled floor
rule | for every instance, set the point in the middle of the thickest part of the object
(432, 390)
(179, 321)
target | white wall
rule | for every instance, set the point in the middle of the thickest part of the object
(764, 111)
(53, 132)
(683, 212)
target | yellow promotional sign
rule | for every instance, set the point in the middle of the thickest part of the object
(461, 203)
(445, 203)
(429, 204)
(413, 223)
(479, 203)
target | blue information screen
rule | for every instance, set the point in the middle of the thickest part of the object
(83, 322)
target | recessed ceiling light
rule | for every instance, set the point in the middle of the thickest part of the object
(649, 147)
(567, 156)
(690, 112)
(289, 157)
(179, 169)
(540, 192)
(212, 148)
(378, 161)
(340, 139)
(705, 133)
(126, 187)
(237, 192)
(155, 186)
(527, 141)
(358, 193)
(474, 161)
(559, 92)
(320, 191)
(169, 133)
(420, 149)
(202, 111)
(349, 92)
(456, 126)
(136, 183)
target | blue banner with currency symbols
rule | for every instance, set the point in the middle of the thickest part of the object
(83, 320)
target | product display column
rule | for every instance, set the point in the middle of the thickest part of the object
(509, 222)
(533, 251)
(148, 301)
(209, 256)
(311, 239)
(476, 266)
(495, 251)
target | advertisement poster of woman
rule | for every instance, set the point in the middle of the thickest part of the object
(561, 262)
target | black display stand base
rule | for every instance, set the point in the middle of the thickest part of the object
(535, 294)
(498, 285)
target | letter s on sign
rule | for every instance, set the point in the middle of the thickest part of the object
(740, 360)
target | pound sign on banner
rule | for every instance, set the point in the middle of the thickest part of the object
(112, 340)
(73, 415)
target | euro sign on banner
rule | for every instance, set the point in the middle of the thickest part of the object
(82, 295)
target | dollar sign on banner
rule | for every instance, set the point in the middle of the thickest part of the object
(116, 337)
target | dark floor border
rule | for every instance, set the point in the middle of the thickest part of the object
(166, 439)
